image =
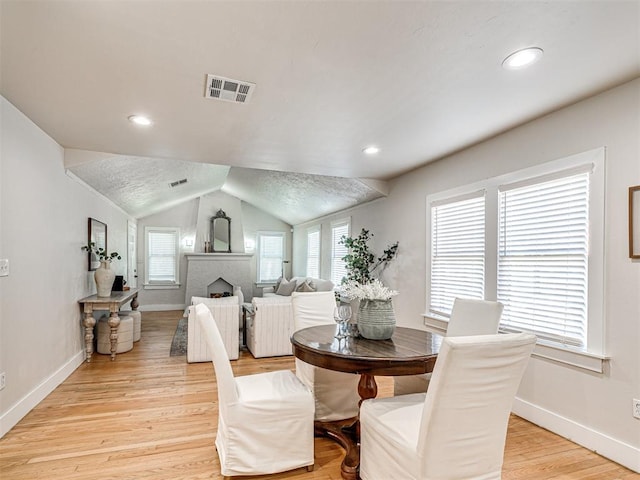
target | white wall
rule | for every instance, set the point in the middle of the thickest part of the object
(208, 207)
(43, 218)
(192, 217)
(592, 409)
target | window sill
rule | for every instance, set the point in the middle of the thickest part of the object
(566, 356)
(160, 286)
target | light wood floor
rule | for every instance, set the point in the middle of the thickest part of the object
(151, 416)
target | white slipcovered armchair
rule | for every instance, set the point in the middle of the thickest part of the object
(225, 310)
(265, 421)
(270, 327)
(457, 430)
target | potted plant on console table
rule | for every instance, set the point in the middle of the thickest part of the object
(103, 275)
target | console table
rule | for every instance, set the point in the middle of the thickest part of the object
(112, 304)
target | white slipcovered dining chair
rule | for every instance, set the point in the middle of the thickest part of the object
(265, 421)
(468, 317)
(457, 429)
(336, 393)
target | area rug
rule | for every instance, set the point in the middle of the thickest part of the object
(179, 342)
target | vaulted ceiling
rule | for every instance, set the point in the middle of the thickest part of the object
(418, 79)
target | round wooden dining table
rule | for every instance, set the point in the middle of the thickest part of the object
(407, 352)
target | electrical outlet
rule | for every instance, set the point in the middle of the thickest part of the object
(4, 267)
(636, 408)
(2, 380)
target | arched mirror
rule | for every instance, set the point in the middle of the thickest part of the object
(221, 232)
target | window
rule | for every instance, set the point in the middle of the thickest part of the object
(457, 251)
(533, 240)
(270, 256)
(339, 229)
(542, 258)
(313, 252)
(162, 250)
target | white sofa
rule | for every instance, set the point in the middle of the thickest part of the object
(225, 312)
(270, 327)
(317, 284)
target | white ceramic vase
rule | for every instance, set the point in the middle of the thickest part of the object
(104, 277)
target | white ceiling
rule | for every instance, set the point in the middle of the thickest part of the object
(419, 79)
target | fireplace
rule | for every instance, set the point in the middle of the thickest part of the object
(218, 274)
(219, 288)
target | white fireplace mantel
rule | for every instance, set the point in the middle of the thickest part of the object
(205, 268)
(218, 256)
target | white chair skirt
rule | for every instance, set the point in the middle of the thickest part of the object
(336, 393)
(270, 428)
(396, 459)
(406, 384)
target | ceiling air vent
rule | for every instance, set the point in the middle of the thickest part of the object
(229, 90)
(178, 182)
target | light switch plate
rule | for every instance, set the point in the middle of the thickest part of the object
(4, 267)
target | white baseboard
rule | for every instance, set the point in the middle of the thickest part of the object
(161, 307)
(619, 452)
(12, 416)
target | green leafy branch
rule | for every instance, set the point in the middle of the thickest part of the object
(360, 261)
(101, 253)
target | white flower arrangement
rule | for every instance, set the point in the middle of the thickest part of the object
(367, 291)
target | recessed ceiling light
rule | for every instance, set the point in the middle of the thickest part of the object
(140, 120)
(371, 150)
(522, 58)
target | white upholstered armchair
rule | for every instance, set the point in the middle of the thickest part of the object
(225, 310)
(270, 327)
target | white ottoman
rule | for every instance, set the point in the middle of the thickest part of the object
(125, 335)
(137, 322)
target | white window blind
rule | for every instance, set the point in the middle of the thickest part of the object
(162, 256)
(271, 256)
(542, 258)
(457, 251)
(338, 250)
(313, 253)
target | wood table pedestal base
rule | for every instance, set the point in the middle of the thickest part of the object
(343, 432)
(347, 432)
